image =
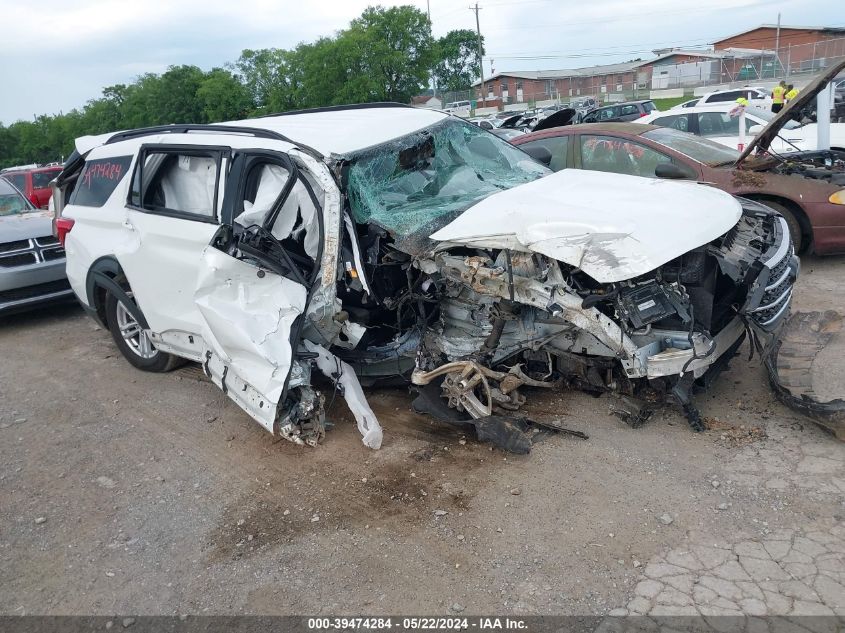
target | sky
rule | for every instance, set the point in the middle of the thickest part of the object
(57, 54)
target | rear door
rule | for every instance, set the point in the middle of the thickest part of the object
(252, 289)
(172, 212)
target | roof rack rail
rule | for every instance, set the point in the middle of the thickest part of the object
(186, 128)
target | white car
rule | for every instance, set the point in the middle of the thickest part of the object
(756, 96)
(387, 242)
(716, 123)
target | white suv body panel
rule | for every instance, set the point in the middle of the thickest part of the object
(190, 293)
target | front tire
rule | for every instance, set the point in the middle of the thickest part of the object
(133, 342)
(795, 232)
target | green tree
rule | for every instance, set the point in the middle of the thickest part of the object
(457, 59)
(396, 52)
(223, 97)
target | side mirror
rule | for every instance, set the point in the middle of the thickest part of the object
(540, 153)
(754, 130)
(671, 171)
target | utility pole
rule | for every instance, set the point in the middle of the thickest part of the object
(476, 8)
(777, 42)
(430, 30)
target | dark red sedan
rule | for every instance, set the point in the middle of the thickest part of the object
(807, 195)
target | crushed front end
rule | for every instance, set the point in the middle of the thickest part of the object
(510, 319)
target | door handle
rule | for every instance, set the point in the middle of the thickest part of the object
(127, 224)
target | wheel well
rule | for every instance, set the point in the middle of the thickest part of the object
(109, 267)
(803, 220)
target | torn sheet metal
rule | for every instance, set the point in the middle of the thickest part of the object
(247, 317)
(794, 372)
(637, 225)
(347, 383)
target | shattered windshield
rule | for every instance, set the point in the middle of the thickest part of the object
(422, 181)
(697, 148)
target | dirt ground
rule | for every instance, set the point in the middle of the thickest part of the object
(127, 492)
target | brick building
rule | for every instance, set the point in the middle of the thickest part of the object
(745, 56)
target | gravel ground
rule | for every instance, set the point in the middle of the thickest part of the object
(126, 492)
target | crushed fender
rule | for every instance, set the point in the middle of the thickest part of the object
(791, 368)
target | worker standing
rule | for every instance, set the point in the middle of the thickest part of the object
(791, 93)
(778, 94)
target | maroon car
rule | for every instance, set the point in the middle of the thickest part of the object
(807, 188)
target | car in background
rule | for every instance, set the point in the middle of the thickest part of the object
(32, 263)
(33, 181)
(814, 209)
(627, 111)
(459, 108)
(756, 96)
(716, 123)
(686, 104)
(486, 122)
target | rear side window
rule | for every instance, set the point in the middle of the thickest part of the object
(98, 180)
(180, 182)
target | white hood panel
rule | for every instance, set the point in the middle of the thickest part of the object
(612, 226)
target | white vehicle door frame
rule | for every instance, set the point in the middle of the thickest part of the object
(162, 247)
(253, 295)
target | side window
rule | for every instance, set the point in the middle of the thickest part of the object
(620, 156)
(287, 206)
(98, 180)
(19, 180)
(41, 179)
(607, 113)
(676, 121)
(629, 109)
(179, 181)
(721, 124)
(731, 95)
(557, 147)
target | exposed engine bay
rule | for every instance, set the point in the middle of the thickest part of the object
(478, 327)
(827, 165)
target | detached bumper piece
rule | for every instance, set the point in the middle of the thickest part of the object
(792, 371)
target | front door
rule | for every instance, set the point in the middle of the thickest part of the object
(252, 291)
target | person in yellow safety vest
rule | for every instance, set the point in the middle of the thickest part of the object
(791, 93)
(743, 102)
(778, 93)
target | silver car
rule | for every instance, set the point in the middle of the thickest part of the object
(32, 263)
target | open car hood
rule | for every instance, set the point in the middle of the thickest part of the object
(611, 226)
(511, 121)
(761, 142)
(557, 119)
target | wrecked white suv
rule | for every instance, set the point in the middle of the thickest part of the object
(384, 242)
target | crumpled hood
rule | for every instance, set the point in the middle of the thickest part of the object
(24, 226)
(611, 226)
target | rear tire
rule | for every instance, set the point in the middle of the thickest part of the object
(133, 342)
(795, 231)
